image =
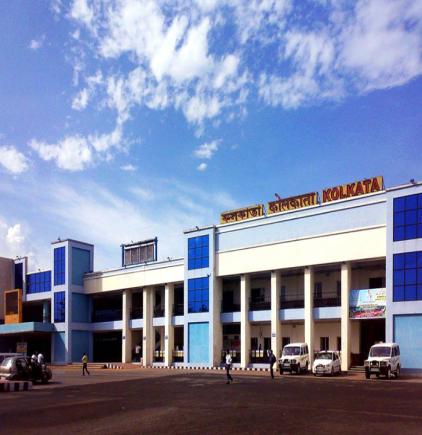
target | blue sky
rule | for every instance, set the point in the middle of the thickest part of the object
(124, 120)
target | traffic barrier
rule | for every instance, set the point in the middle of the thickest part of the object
(12, 386)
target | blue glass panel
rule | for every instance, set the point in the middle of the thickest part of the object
(419, 231)
(399, 277)
(411, 202)
(410, 293)
(399, 218)
(398, 261)
(398, 234)
(411, 217)
(419, 259)
(410, 232)
(420, 200)
(410, 276)
(59, 307)
(399, 204)
(410, 259)
(420, 214)
(398, 293)
(419, 292)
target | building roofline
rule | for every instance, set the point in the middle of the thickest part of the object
(71, 240)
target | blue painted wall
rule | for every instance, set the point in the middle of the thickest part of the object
(80, 345)
(81, 263)
(80, 308)
(408, 334)
(199, 343)
(59, 347)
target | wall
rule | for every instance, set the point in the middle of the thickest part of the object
(80, 307)
(81, 343)
(6, 281)
(59, 347)
(81, 263)
(260, 332)
(296, 332)
(332, 330)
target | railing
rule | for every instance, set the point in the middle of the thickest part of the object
(107, 315)
(178, 355)
(178, 309)
(327, 300)
(229, 307)
(297, 302)
(158, 312)
(259, 305)
(136, 313)
(235, 354)
(259, 356)
(158, 355)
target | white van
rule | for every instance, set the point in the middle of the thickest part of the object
(294, 359)
(383, 359)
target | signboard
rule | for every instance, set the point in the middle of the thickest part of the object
(13, 306)
(22, 347)
(293, 202)
(369, 185)
(367, 303)
(242, 214)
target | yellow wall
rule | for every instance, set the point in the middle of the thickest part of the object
(349, 246)
(6, 269)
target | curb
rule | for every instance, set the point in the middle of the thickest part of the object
(234, 369)
(12, 386)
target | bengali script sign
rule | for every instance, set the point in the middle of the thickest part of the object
(293, 202)
(367, 303)
(363, 187)
(242, 214)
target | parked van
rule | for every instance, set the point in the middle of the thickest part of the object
(294, 358)
(383, 359)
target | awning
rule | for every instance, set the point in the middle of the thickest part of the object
(19, 328)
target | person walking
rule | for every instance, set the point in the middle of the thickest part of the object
(84, 364)
(271, 359)
(228, 367)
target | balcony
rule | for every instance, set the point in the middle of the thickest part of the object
(229, 307)
(136, 313)
(235, 354)
(332, 299)
(107, 315)
(158, 311)
(158, 356)
(178, 309)
(178, 355)
(259, 305)
(295, 300)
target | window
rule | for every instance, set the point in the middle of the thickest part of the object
(38, 282)
(339, 343)
(324, 343)
(338, 289)
(377, 282)
(59, 307)
(407, 276)
(258, 295)
(318, 290)
(198, 252)
(198, 299)
(59, 265)
(285, 341)
(18, 275)
(407, 222)
(142, 253)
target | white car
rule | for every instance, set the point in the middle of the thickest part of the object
(294, 358)
(326, 363)
(384, 359)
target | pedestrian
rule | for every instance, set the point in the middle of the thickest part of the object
(228, 367)
(40, 358)
(34, 358)
(138, 353)
(271, 359)
(84, 364)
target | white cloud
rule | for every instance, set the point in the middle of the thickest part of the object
(14, 236)
(81, 100)
(129, 168)
(207, 150)
(202, 167)
(143, 193)
(72, 153)
(13, 160)
(36, 44)
(81, 11)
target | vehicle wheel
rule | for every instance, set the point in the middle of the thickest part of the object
(44, 379)
(388, 375)
(397, 374)
(306, 367)
(367, 374)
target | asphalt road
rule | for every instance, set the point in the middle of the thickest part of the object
(201, 403)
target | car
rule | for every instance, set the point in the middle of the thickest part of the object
(21, 368)
(383, 359)
(294, 358)
(326, 363)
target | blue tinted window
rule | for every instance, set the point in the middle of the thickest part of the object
(59, 266)
(38, 282)
(59, 307)
(18, 275)
(407, 223)
(407, 276)
(198, 295)
(198, 252)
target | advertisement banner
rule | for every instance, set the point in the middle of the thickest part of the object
(367, 303)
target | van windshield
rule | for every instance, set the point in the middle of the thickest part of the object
(380, 351)
(7, 362)
(291, 350)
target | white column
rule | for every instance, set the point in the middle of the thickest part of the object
(147, 332)
(275, 313)
(217, 325)
(309, 310)
(346, 280)
(168, 327)
(245, 327)
(126, 331)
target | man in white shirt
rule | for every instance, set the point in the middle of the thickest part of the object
(228, 367)
(40, 358)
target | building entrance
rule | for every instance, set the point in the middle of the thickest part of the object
(371, 332)
(108, 346)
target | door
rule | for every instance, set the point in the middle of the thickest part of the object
(371, 331)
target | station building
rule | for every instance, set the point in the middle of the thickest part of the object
(339, 272)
